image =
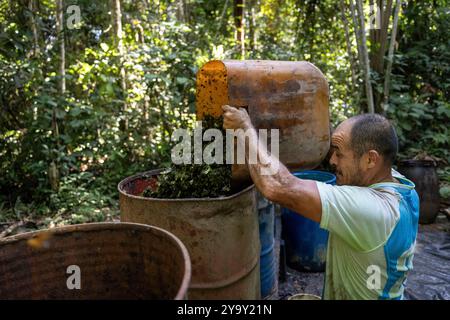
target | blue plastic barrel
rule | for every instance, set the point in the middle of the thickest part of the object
(306, 243)
(268, 272)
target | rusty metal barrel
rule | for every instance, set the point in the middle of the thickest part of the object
(291, 96)
(221, 235)
(424, 175)
(94, 261)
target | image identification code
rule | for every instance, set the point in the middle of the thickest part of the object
(225, 309)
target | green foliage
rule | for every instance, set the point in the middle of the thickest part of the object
(419, 104)
(445, 192)
(109, 129)
(92, 139)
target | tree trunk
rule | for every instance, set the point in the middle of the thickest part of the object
(53, 169)
(36, 48)
(182, 11)
(252, 24)
(379, 37)
(356, 29)
(33, 9)
(385, 18)
(62, 50)
(365, 55)
(349, 52)
(311, 18)
(360, 58)
(387, 74)
(117, 23)
(239, 22)
(224, 11)
(379, 43)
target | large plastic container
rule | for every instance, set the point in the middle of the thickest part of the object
(291, 96)
(221, 235)
(306, 243)
(111, 261)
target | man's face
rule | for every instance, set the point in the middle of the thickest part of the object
(343, 159)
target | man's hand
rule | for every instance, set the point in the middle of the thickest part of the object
(281, 187)
(234, 118)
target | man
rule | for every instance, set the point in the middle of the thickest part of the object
(372, 216)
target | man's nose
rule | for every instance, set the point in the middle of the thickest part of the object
(333, 162)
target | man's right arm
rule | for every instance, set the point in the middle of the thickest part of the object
(270, 176)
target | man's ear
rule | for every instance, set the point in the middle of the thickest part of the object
(373, 157)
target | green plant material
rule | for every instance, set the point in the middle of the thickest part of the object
(445, 192)
(444, 174)
(195, 180)
(192, 181)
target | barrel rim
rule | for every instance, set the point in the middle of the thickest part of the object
(86, 227)
(310, 295)
(120, 188)
(331, 176)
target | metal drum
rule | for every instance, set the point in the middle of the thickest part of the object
(423, 174)
(94, 261)
(291, 96)
(221, 235)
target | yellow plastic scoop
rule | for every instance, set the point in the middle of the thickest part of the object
(212, 89)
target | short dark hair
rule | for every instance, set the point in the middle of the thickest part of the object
(374, 132)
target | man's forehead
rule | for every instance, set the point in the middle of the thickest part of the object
(341, 135)
(345, 125)
(338, 140)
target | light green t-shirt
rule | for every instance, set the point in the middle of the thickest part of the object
(369, 251)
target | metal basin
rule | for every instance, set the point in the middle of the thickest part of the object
(111, 261)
